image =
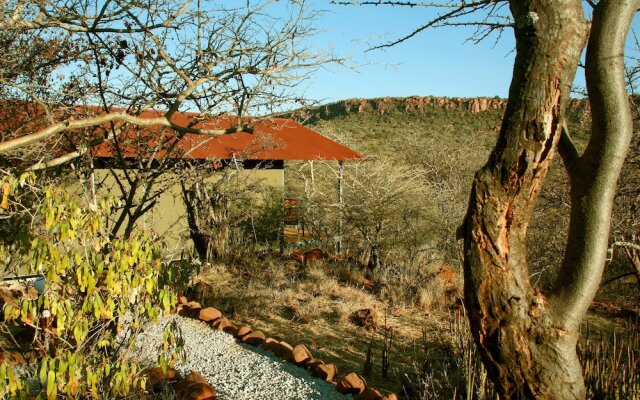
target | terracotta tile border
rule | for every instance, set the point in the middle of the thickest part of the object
(299, 355)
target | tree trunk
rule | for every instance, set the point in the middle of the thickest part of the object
(527, 339)
(526, 355)
(189, 199)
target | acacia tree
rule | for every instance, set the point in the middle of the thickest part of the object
(527, 338)
(122, 59)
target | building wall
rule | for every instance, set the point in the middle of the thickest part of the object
(168, 219)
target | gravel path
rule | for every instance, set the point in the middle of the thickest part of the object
(237, 371)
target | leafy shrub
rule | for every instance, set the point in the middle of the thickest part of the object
(268, 214)
(97, 290)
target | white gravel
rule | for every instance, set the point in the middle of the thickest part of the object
(237, 371)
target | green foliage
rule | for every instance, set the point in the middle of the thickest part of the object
(447, 146)
(443, 148)
(269, 214)
(385, 213)
(385, 209)
(97, 291)
(232, 212)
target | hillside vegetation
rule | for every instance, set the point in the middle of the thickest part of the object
(399, 255)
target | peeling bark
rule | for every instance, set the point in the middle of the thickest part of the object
(526, 354)
(527, 339)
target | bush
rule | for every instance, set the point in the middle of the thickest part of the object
(97, 290)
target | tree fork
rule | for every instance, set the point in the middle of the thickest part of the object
(526, 354)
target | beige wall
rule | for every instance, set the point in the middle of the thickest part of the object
(168, 217)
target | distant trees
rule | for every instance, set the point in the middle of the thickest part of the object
(380, 210)
(382, 214)
(526, 337)
(626, 227)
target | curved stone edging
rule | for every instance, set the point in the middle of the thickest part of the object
(299, 355)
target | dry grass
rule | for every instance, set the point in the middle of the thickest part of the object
(311, 305)
(611, 363)
(432, 354)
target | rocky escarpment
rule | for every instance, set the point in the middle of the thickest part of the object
(418, 105)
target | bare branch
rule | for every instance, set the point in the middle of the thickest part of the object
(455, 10)
(58, 161)
(71, 124)
(630, 245)
(392, 3)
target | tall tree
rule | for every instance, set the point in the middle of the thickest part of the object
(527, 338)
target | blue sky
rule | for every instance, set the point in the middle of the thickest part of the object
(436, 62)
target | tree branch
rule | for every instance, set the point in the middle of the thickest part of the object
(596, 173)
(71, 124)
(630, 245)
(58, 160)
(567, 149)
(456, 9)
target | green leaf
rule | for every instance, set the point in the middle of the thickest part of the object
(43, 371)
(63, 366)
(91, 283)
(97, 307)
(49, 218)
(78, 258)
(165, 300)
(77, 334)
(51, 385)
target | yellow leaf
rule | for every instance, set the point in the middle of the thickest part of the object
(60, 324)
(6, 190)
(72, 386)
(91, 283)
(64, 264)
(49, 218)
(77, 334)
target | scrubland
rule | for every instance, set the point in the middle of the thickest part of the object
(400, 257)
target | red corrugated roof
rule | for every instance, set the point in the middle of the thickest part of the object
(269, 139)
